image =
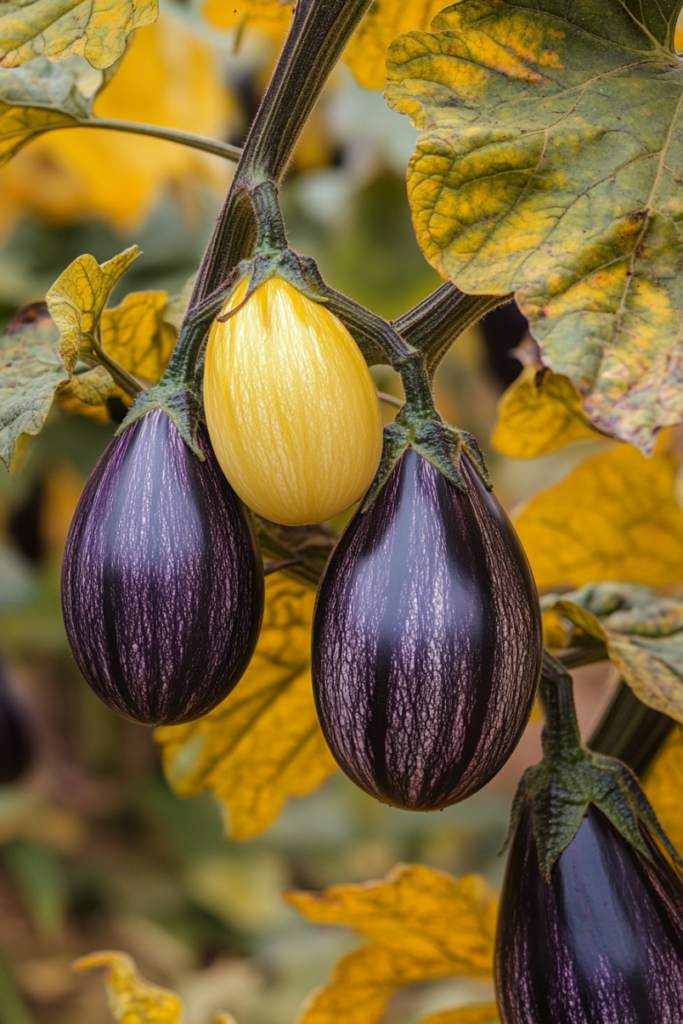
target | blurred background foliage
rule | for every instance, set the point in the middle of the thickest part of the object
(95, 850)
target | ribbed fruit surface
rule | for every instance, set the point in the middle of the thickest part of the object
(426, 640)
(162, 583)
(601, 943)
(291, 407)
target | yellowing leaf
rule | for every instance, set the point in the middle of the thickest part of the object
(96, 29)
(77, 299)
(643, 634)
(263, 744)
(137, 335)
(167, 77)
(548, 166)
(367, 50)
(132, 999)
(663, 785)
(42, 96)
(480, 1014)
(615, 517)
(421, 925)
(538, 414)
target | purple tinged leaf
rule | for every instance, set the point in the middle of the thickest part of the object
(162, 584)
(427, 640)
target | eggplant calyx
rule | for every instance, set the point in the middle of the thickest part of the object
(436, 442)
(181, 405)
(570, 777)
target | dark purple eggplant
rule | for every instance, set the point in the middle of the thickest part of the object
(600, 943)
(16, 746)
(427, 640)
(162, 584)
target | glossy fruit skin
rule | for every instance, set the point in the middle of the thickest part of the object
(162, 583)
(426, 640)
(601, 943)
(16, 745)
(291, 407)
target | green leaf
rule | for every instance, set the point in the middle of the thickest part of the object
(41, 96)
(95, 29)
(643, 633)
(31, 371)
(550, 165)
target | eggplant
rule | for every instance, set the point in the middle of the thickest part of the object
(601, 942)
(16, 744)
(427, 640)
(162, 582)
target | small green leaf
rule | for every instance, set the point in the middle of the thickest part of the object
(550, 165)
(31, 371)
(96, 29)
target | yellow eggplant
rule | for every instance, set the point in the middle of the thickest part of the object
(291, 406)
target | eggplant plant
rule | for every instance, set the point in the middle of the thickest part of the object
(591, 917)
(162, 587)
(427, 640)
(427, 637)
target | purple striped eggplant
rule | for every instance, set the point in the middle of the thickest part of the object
(426, 640)
(16, 745)
(600, 943)
(162, 584)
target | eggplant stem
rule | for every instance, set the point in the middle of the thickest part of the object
(124, 380)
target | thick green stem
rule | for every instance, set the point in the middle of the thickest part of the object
(561, 734)
(435, 323)
(319, 32)
(120, 376)
(631, 731)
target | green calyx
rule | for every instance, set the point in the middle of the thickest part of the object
(178, 392)
(570, 777)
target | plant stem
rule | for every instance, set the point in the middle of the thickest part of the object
(319, 32)
(223, 149)
(561, 733)
(121, 376)
(435, 323)
(631, 731)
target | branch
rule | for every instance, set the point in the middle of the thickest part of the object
(318, 34)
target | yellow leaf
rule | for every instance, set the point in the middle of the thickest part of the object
(486, 1013)
(77, 299)
(538, 414)
(137, 335)
(615, 517)
(367, 50)
(96, 29)
(270, 16)
(132, 999)
(663, 785)
(421, 925)
(263, 744)
(167, 77)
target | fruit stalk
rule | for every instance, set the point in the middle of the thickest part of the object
(319, 32)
